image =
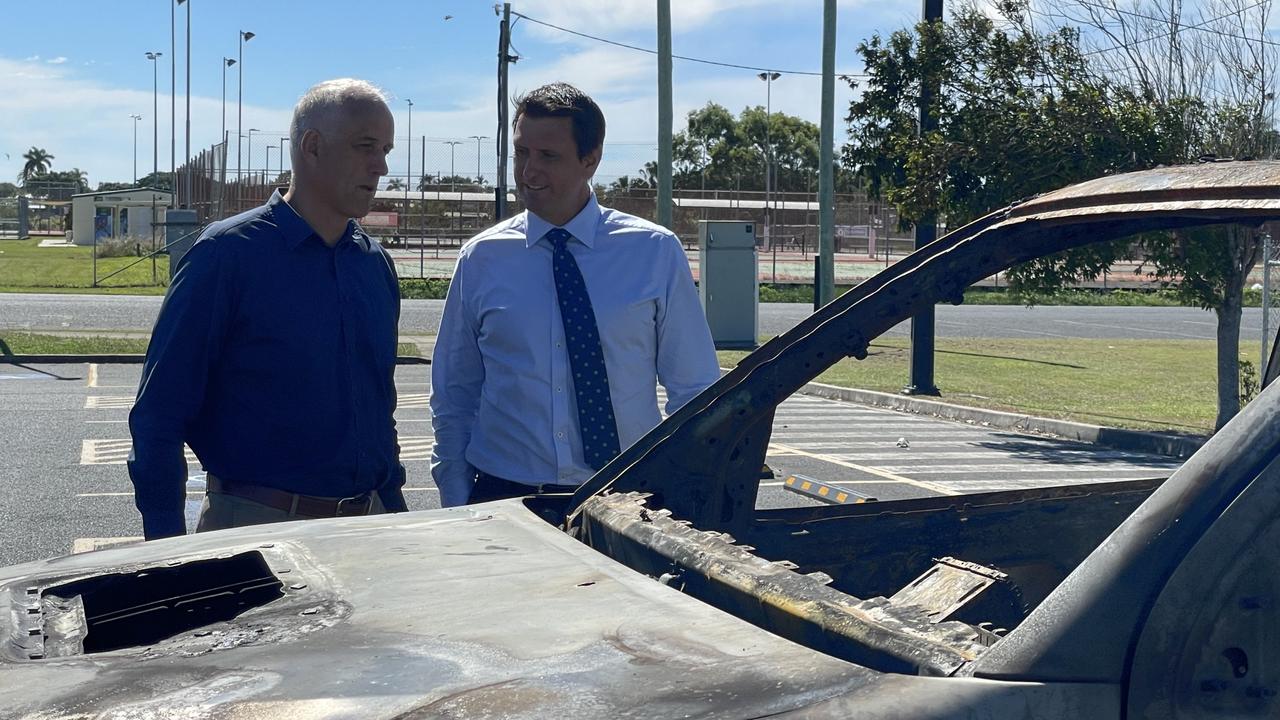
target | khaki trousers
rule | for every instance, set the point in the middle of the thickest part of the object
(221, 511)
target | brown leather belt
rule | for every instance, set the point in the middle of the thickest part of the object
(293, 503)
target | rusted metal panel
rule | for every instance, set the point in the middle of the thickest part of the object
(694, 462)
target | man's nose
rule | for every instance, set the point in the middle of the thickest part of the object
(380, 168)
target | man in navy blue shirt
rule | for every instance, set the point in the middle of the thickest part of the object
(274, 354)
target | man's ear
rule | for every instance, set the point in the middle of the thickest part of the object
(591, 160)
(310, 145)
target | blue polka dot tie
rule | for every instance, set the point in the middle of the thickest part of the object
(586, 357)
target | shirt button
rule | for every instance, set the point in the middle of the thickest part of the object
(558, 344)
(560, 435)
(559, 389)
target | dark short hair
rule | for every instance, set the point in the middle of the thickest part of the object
(564, 100)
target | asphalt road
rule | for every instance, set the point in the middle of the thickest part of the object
(64, 484)
(123, 313)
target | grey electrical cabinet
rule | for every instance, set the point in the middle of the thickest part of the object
(729, 285)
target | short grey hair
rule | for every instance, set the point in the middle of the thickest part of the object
(319, 105)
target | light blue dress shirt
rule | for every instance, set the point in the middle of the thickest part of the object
(502, 397)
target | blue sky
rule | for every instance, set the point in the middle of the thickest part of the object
(70, 81)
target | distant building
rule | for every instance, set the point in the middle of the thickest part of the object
(118, 214)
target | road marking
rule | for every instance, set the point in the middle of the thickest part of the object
(92, 380)
(115, 452)
(923, 484)
(83, 545)
(200, 493)
(415, 447)
(781, 483)
(108, 402)
(413, 400)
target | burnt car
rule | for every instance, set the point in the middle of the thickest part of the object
(658, 589)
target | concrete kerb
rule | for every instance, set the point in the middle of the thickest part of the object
(1168, 444)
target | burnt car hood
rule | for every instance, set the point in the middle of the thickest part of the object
(476, 612)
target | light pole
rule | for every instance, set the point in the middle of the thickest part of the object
(173, 103)
(286, 137)
(248, 155)
(768, 78)
(266, 168)
(186, 196)
(478, 138)
(136, 118)
(155, 111)
(453, 177)
(226, 63)
(408, 167)
(245, 36)
(453, 147)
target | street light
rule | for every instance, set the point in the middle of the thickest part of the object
(155, 112)
(245, 36)
(408, 162)
(187, 153)
(266, 168)
(248, 155)
(286, 137)
(173, 105)
(226, 63)
(136, 118)
(768, 78)
(478, 138)
(453, 147)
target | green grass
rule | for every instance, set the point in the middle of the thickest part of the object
(39, 344)
(1142, 384)
(43, 344)
(25, 267)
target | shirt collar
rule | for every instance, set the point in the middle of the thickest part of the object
(295, 230)
(582, 226)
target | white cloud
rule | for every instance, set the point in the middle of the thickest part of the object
(56, 61)
(33, 58)
(86, 124)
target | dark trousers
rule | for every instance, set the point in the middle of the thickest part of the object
(489, 488)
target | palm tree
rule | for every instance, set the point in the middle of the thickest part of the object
(37, 161)
(395, 184)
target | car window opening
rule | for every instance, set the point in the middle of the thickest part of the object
(134, 609)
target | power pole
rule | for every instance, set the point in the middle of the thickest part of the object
(922, 325)
(504, 59)
(664, 113)
(826, 159)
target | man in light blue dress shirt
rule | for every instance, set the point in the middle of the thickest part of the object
(504, 406)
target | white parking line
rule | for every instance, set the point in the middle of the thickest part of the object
(92, 378)
(108, 402)
(115, 451)
(878, 472)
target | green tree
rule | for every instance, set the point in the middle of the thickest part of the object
(718, 150)
(156, 180)
(8, 189)
(35, 161)
(58, 185)
(1021, 111)
(395, 184)
(106, 186)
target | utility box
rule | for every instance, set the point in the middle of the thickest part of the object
(729, 286)
(180, 231)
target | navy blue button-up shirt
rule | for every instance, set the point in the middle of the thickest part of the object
(273, 357)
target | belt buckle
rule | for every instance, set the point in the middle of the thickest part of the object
(365, 498)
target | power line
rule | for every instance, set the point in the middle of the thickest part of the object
(1198, 26)
(679, 57)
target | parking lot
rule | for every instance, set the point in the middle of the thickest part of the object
(64, 485)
